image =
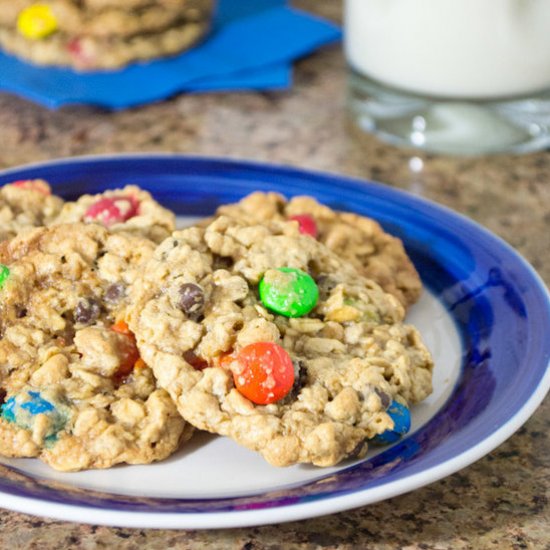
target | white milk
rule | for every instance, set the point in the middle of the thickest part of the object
(452, 48)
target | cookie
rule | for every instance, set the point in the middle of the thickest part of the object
(138, 4)
(70, 33)
(77, 19)
(357, 239)
(129, 209)
(265, 335)
(75, 392)
(24, 204)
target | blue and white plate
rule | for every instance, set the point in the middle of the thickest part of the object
(485, 316)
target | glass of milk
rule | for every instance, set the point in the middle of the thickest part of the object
(451, 76)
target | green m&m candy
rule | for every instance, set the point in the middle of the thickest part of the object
(4, 274)
(288, 291)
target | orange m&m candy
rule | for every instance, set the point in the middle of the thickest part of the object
(263, 372)
(129, 353)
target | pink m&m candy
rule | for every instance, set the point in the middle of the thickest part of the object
(306, 224)
(111, 210)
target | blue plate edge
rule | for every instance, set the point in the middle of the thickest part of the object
(528, 407)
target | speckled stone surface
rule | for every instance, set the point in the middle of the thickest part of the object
(501, 502)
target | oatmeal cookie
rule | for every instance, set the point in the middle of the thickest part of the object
(359, 240)
(138, 4)
(26, 203)
(77, 19)
(265, 335)
(71, 33)
(129, 209)
(75, 392)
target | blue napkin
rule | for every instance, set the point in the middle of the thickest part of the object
(251, 47)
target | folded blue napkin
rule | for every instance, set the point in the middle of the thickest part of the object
(252, 45)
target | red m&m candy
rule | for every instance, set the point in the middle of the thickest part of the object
(33, 185)
(306, 224)
(263, 372)
(111, 210)
(82, 52)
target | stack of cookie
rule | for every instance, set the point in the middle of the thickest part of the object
(101, 34)
(278, 324)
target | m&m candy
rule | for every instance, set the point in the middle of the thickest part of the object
(33, 185)
(288, 291)
(306, 224)
(129, 353)
(22, 410)
(37, 21)
(111, 210)
(401, 424)
(82, 51)
(4, 274)
(263, 372)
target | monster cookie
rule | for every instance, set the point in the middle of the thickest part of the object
(130, 209)
(265, 335)
(75, 391)
(359, 240)
(73, 17)
(70, 32)
(138, 4)
(26, 203)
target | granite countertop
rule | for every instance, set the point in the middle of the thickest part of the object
(499, 502)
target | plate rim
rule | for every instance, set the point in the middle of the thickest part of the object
(327, 504)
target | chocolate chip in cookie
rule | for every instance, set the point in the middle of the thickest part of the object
(87, 311)
(191, 300)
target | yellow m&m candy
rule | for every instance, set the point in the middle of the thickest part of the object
(37, 21)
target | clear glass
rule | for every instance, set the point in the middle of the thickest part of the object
(451, 76)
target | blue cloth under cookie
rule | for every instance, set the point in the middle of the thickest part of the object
(251, 47)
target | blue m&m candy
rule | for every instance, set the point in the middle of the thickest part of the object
(23, 408)
(401, 417)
